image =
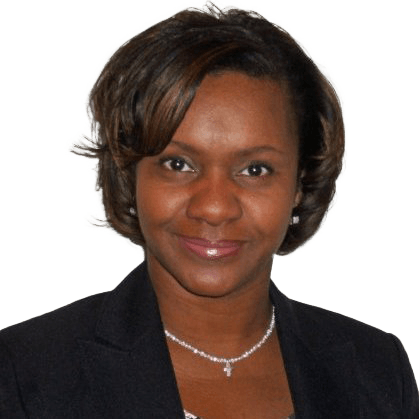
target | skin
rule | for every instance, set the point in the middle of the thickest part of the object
(229, 173)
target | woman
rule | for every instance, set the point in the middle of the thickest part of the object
(219, 144)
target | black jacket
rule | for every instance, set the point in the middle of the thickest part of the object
(106, 357)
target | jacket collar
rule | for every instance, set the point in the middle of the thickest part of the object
(316, 358)
(129, 368)
(130, 312)
(128, 364)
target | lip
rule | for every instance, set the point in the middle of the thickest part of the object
(210, 249)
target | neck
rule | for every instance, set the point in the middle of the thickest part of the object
(224, 325)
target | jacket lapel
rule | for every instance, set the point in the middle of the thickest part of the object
(315, 360)
(128, 365)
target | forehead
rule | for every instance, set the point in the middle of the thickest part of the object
(235, 110)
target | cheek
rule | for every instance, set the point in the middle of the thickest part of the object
(156, 204)
(276, 221)
(271, 214)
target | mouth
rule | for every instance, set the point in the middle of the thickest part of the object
(210, 250)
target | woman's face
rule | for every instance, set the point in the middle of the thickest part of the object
(215, 205)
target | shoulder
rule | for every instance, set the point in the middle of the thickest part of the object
(374, 349)
(57, 328)
(320, 329)
(355, 355)
(56, 335)
(39, 362)
(332, 322)
(323, 327)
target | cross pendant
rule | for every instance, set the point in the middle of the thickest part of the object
(227, 369)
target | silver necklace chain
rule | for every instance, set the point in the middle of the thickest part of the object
(228, 368)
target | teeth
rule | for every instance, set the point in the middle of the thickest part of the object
(212, 252)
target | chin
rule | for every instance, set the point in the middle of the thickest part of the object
(215, 283)
(212, 292)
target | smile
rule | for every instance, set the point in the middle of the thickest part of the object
(210, 250)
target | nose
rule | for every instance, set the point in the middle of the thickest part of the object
(214, 200)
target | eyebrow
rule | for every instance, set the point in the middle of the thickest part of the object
(240, 153)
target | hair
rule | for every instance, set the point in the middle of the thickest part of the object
(145, 89)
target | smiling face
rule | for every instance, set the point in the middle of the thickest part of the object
(215, 205)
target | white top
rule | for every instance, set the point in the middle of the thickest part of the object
(191, 416)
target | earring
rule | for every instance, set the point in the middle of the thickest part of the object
(132, 211)
(295, 219)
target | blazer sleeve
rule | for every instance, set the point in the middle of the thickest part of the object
(11, 406)
(410, 396)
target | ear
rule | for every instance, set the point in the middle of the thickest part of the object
(299, 193)
(298, 197)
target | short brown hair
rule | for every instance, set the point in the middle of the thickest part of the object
(145, 89)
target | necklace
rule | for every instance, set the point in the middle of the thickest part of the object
(228, 368)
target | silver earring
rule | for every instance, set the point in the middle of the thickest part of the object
(132, 211)
(295, 219)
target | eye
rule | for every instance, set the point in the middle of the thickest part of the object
(256, 170)
(176, 164)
